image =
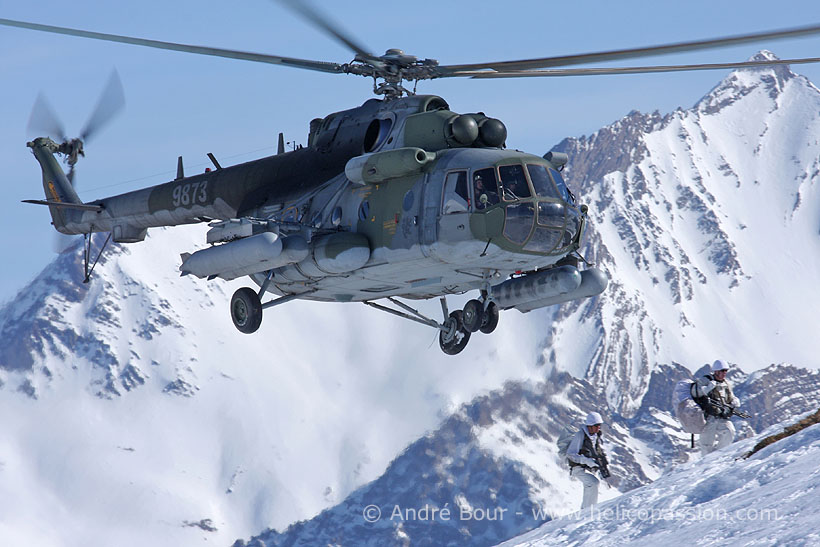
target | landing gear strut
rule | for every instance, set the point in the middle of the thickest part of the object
(458, 326)
(247, 306)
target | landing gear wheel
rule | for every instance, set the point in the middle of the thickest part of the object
(455, 338)
(473, 315)
(246, 310)
(490, 321)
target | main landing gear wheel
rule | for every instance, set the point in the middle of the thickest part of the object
(454, 339)
(246, 310)
(473, 315)
(490, 319)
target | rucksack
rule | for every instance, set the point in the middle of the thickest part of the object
(564, 440)
(687, 410)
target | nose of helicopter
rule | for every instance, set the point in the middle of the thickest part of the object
(544, 227)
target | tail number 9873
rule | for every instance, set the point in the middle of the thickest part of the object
(190, 193)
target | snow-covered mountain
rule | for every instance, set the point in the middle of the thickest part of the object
(495, 461)
(708, 223)
(135, 414)
(765, 499)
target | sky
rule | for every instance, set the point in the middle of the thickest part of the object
(189, 105)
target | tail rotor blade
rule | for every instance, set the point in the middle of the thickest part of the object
(110, 104)
(70, 177)
(61, 242)
(44, 122)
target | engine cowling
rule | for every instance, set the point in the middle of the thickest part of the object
(382, 166)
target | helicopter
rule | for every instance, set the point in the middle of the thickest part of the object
(400, 197)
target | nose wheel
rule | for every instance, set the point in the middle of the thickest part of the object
(472, 315)
(489, 320)
(475, 318)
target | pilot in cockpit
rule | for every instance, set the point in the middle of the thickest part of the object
(485, 194)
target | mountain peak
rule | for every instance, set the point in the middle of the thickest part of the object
(771, 79)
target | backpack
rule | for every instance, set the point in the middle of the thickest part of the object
(564, 440)
(688, 412)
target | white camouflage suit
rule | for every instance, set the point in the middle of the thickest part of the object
(585, 468)
(717, 428)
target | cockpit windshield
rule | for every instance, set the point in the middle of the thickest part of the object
(539, 210)
(513, 182)
(541, 181)
(562, 186)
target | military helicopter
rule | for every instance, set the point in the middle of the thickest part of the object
(400, 197)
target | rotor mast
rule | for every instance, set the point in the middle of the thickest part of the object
(393, 68)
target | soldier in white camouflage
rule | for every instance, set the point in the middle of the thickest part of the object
(586, 458)
(717, 400)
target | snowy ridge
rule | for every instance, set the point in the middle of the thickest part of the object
(707, 221)
(762, 500)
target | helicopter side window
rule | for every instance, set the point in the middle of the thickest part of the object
(456, 197)
(485, 188)
(541, 181)
(562, 186)
(513, 182)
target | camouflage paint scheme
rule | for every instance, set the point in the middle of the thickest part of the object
(416, 249)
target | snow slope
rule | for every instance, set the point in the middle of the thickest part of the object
(477, 479)
(723, 499)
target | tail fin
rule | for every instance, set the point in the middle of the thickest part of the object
(60, 195)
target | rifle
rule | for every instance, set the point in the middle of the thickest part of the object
(719, 407)
(603, 465)
(727, 411)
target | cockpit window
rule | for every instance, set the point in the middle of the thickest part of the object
(513, 182)
(562, 186)
(456, 197)
(541, 181)
(518, 224)
(485, 188)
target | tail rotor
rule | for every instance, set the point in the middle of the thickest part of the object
(45, 122)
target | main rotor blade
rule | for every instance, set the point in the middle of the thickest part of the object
(621, 54)
(321, 66)
(43, 120)
(629, 70)
(111, 102)
(306, 10)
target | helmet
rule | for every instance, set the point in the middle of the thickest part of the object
(593, 418)
(720, 364)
